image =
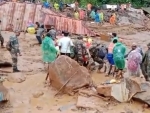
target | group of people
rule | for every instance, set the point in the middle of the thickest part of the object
(83, 50)
(137, 61)
(90, 12)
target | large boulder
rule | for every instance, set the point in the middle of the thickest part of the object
(16, 77)
(68, 73)
(145, 95)
(122, 91)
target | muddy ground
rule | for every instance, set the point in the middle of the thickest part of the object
(21, 94)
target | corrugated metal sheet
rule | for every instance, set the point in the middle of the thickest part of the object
(29, 14)
(18, 14)
(64, 23)
(146, 9)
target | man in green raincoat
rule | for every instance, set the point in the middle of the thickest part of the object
(118, 55)
(49, 50)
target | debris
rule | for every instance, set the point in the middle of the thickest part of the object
(4, 94)
(105, 90)
(16, 77)
(124, 91)
(39, 108)
(90, 102)
(124, 21)
(127, 110)
(91, 93)
(67, 75)
(143, 96)
(5, 64)
(5, 71)
(66, 107)
(37, 94)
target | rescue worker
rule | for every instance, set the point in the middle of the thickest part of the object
(81, 53)
(1, 37)
(89, 5)
(101, 15)
(52, 32)
(76, 15)
(133, 47)
(48, 49)
(97, 18)
(114, 35)
(146, 64)
(98, 54)
(65, 44)
(118, 57)
(134, 62)
(56, 6)
(14, 45)
(40, 33)
(112, 20)
(110, 57)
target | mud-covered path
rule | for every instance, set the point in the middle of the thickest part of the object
(21, 94)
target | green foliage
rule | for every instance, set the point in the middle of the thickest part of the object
(83, 3)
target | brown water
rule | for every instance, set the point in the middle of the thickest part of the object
(22, 99)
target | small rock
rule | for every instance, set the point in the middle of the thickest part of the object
(104, 90)
(127, 110)
(16, 77)
(37, 94)
(145, 106)
(39, 108)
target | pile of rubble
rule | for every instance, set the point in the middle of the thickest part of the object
(67, 76)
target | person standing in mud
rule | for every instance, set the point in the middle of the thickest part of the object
(110, 56)
(1, 37)
(40, 33)
(65, 44)
(114, 35)
(145, 66)
(52, 32)
(14, 45)
(89, 6)
(134, 62)
(133, 47)
(81, 53)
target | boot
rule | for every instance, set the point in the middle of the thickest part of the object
(15, 70)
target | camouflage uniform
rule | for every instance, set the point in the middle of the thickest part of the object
(1, 37)
(146, 65)
(14, 44)
(80, 52)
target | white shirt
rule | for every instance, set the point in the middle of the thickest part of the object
(65, 44)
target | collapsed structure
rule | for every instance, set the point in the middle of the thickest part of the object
(19, 14)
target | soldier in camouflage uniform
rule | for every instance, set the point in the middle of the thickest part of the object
(1, 37)
(14, 45)
(146, 64)
(81, 52)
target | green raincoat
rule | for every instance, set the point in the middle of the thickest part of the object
(49, 51)
(118, 55)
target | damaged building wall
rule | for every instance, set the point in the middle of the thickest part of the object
(62, 23)
(18, 14)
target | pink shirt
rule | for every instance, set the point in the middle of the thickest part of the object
(111, 47)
